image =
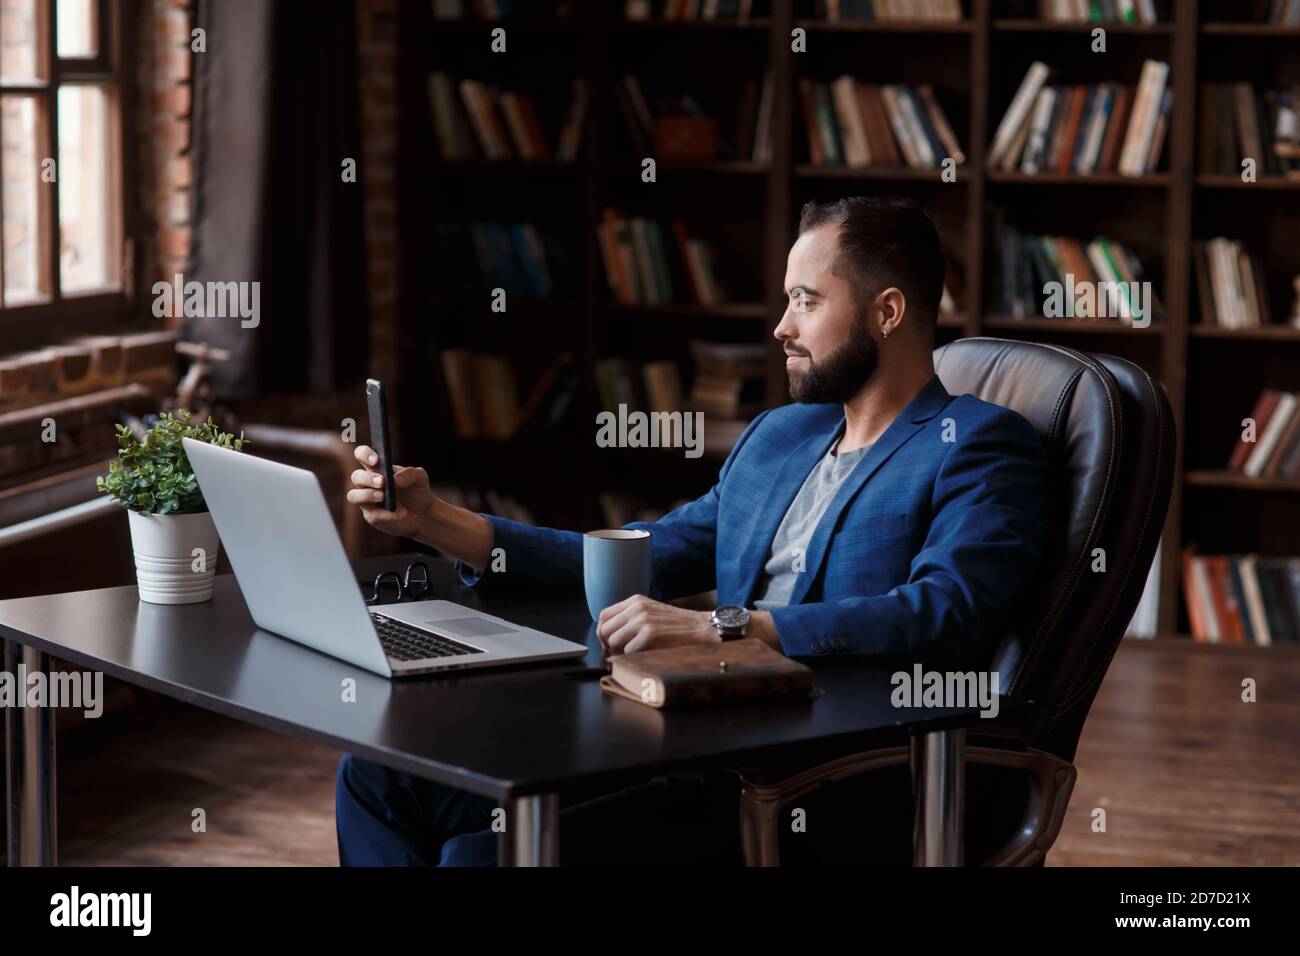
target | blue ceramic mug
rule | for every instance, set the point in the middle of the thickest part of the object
(615, 565)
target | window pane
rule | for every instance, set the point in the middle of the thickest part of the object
(21, 228)
(88, 211)
(74, 28)
(19, 41)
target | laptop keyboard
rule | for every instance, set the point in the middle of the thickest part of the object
(402, 642)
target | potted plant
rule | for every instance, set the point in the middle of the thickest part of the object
(172, 534)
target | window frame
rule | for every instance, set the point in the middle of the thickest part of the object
(91, 312)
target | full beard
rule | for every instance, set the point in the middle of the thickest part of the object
(841, 375)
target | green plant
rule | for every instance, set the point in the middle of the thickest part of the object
(154, 476)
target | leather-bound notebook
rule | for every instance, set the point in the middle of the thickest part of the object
(697, 674)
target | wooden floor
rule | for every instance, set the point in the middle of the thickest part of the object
(1187, 773)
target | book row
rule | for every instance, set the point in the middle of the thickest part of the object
(1242, 598)
(726, 385)
(1063, 128)
(1061, 277)
(851, 123)
(671, 123)
(525, 259)
(648, 263)
(1238, 122)
(1083, 129)
(1230, 286)
(477, 120)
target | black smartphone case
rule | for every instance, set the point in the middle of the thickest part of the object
(378, 408)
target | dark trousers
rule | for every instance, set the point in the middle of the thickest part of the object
(388, 818)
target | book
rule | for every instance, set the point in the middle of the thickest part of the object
(1146, 615)
(942, 128)
(1017, 114)
(1142, 123)
(1263, 410)
(703, 674)
(854, 134)
(1269, 434)
(1108, 160)
(1259, 629)
(553, 401)
(570, 137)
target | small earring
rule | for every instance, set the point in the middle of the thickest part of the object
(884, 334)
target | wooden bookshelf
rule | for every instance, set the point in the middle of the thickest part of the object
(1006, 323)
(900, 174)
(1230, 479)
(1264, 30)
(1031, 25)
(1221, 181)
(1192, 645)
(1271, 333)
(1212, 374)
(1157, 179)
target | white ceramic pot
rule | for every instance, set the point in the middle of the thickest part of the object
(175, 557)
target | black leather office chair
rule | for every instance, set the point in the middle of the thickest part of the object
(1109, 429)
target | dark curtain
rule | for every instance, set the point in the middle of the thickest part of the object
(275, 116)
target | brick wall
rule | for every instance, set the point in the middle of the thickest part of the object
(162, 138)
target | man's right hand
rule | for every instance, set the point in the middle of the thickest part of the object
(415, 500)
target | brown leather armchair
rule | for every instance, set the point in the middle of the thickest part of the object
(1110, 430)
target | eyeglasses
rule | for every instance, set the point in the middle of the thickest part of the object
(389, 587)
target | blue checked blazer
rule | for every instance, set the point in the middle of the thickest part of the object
(923, 553)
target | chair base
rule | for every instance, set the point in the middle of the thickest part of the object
(1051, 782)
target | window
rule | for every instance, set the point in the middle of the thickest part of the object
(61, 250)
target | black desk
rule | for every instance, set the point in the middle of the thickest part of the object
(520, 735)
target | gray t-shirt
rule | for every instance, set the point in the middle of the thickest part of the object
(776, 583)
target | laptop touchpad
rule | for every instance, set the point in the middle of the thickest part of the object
(470, 627)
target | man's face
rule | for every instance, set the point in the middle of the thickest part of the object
(830, 354)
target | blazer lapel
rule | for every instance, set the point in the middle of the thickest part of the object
(788, 481)
(924, 406)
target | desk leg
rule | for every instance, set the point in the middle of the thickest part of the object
(532, 836)
(938, 793)
(30, 790)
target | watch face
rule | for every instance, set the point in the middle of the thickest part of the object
(731, 615)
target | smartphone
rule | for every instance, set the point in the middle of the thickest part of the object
(378, 408)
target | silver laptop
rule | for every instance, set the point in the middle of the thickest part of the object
(277, 531)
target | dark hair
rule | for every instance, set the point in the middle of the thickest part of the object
(883, 243)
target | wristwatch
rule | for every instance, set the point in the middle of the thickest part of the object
(731, 620)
